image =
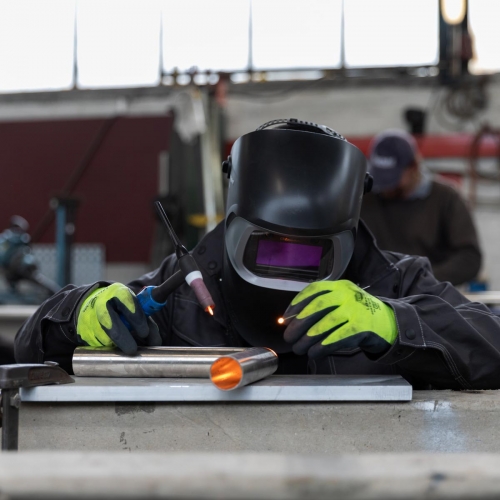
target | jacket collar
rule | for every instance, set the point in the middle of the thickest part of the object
(368, 263)
(209, 251)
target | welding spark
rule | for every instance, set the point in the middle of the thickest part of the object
(281, 321)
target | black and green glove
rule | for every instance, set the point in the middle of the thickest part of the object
(328, 316)
(99, 323)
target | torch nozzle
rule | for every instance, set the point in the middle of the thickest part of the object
(203, 295)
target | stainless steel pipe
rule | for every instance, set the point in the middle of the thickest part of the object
(189, 362)
(236, 370)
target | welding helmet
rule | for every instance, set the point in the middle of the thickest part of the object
(294, 198)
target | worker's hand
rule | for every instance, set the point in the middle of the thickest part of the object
(328, 316)
(99, 323)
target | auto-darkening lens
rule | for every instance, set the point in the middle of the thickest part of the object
(284, 254)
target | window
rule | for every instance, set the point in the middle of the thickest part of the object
(391, 32)
(36, 45)
(128, 43)
(296, 34)
(483, 22)
(206, 34)
(118, 43)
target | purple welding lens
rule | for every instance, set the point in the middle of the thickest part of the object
(284, 254)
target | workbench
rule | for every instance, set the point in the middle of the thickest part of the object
(286, 414)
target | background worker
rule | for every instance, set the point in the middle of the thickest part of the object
(408, 212)
(291, 245)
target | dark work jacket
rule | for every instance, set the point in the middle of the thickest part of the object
(444, 341)
(439, 227)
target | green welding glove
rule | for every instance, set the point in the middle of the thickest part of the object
(100, 320)
(328, 316)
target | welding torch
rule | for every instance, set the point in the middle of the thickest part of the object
(154, 298)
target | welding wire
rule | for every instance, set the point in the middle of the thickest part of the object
(283, 321)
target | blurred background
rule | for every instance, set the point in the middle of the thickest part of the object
(109, 105)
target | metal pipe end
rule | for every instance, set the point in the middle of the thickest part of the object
(242, 368)
(226, 373)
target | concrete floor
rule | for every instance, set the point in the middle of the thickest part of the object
(248, 476)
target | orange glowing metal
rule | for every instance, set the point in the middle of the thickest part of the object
(281, 321)
(226, 373)
(210, 310)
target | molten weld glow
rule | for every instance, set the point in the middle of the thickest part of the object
(281, 321)
(210, 310)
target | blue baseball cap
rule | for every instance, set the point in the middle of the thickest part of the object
(390, 153)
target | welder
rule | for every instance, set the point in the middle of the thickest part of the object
(292, 268)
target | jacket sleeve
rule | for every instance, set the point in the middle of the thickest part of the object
(464, 259)
(50, 334)
(443, 339)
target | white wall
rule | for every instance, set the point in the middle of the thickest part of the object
(350, 111)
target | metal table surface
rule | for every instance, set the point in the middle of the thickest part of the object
(16, 312)
(275, 388)
(11, 318)
(490, 297)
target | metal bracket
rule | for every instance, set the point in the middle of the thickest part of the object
(15, 401)
(12, 377)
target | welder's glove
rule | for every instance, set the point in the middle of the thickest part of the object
(99, 322)
(328, 316)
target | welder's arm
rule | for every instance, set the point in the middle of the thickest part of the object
(433, 336)
(51, 333)
(331, 316)
(443, 339)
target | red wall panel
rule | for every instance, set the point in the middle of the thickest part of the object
(116, 191)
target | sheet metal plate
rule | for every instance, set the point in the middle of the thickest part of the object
(274, 388)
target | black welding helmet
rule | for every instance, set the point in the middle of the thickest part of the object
(294, 197)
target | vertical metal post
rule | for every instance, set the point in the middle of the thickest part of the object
(61, 249)
(10, 419)
(65, 209)
(206, 170)
(163, 173)
(211, 163)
